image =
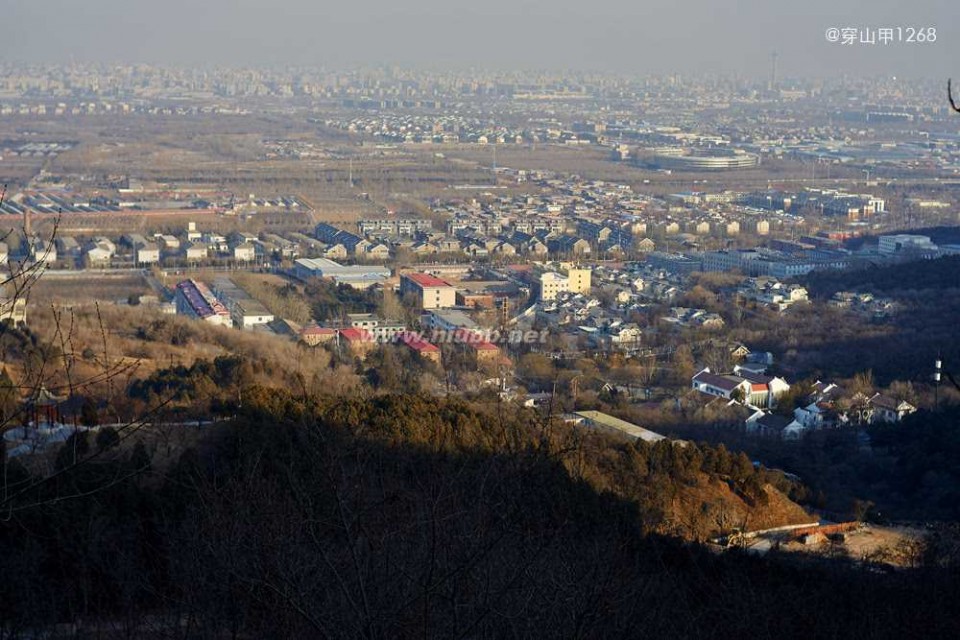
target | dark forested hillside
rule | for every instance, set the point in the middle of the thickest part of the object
(407, 516)
(902, 346)
(921, 275)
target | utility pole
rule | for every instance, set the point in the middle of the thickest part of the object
(937, 365)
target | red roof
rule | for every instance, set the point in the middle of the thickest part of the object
(354, 334)
(427, 280)
(416, 342)
(758, 387)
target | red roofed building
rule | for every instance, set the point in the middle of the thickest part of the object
(432, 292)
(485, 351)
(359, 341)
(421, 347)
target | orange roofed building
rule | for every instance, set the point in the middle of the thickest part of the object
(360, 342)
(483, 350)
(431, 291)
(418, 345)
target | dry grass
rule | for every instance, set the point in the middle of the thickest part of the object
(140, 340)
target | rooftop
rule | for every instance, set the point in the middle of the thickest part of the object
(601, 419)
(427, 280)
(416, 342)
(727, 383)
(356, 335)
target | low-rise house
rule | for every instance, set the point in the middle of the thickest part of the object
(360, 342)
(146, 253)
(416, 343)
(315, 335)
(646, 245)
(99, 253)
(773, 293)
(378, 251)
(723, 386)
(483, 351)
(423, 248)
(536, 248)
(245, 252)
(43, 252)
(169, 243)
(743, 386)
(820, 409)
(335, 252)
(245, 311)
(68, 247)
(764, 389)
(685, 317)
(887, 409)
(195, 251)
(626, 337)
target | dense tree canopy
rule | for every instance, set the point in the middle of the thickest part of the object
(410, 516)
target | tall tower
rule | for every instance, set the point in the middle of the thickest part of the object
(773, 72)
(26, 222)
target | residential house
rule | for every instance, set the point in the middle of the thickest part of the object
(146, 253)
(887, 409)
(723, 386)
(245, 252)
(418, 345)
(315, 335)
(195, 251)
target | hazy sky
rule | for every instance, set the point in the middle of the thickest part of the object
(636, 36)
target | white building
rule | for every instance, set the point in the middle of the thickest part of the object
(148, 253)
(357, 276)
(431, 291)
(245, 312)
(552, 284)
(245, 252)
(890, 245)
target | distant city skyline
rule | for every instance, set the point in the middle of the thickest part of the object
(657, 37)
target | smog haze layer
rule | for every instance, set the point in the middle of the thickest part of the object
(653, 37)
